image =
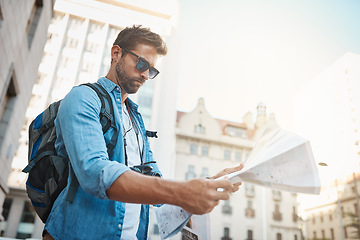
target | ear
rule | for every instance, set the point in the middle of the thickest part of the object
(115, 53)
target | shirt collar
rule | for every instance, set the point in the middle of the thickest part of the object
(107, 84)
(110, 86)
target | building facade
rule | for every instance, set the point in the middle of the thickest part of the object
(335, 214)
(77, 50)
(23, 27)
(205, 145)
(327, 112)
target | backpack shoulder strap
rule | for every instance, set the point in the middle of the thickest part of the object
(107, 119)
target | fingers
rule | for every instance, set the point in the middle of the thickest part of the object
(234, 169)
(228, 171)
(226, 185)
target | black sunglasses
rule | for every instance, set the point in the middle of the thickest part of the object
(143, 65)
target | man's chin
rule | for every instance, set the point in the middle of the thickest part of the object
(133, 90)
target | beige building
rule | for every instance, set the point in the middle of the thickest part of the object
(77, 50)
(23, 26)
(332, 214)
(205, 145)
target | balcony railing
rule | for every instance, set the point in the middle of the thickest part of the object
(277, 216)
(249, 212)
(295, 217)
(226, 209)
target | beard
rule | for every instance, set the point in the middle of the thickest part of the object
(128, 84)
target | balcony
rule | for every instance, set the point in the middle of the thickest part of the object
(295, 217)
(277, 216)
(226, 209)
(250, 213)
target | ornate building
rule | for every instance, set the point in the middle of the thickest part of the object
(205, 145)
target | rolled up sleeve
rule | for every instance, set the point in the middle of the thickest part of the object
(82, 139)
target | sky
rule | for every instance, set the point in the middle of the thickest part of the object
(239, 53)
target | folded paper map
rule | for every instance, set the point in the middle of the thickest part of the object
(283, 161)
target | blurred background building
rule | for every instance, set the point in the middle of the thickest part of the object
(205, 145)
(334, 214)
(77, 50)
(23, 27)
(327, 112)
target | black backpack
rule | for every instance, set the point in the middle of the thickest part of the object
(48, 173)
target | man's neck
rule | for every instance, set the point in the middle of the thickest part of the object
(124, 96)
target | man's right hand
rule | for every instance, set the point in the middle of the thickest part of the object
(197, 196)
(200, 196)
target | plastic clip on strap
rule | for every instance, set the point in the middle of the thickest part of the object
(151, 134)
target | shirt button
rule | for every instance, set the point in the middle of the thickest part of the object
(118, 99)
(117, 88)
(119, 225)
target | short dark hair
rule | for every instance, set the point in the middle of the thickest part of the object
(130, 37)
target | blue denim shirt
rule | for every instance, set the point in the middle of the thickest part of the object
(92, 215)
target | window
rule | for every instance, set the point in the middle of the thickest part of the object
(313, 218)
(356, 208)
(227, 154)
(332, 233)
(193, 149)
(249, 235)
(238, 156)
(26, 225)
(75, 24)
(226, 208)
(199, 129)
(277, 216)
(7, 103)
(321, 217)
(323, 234)
(87, 66)
(235, 131)
(204, 151)
(71, 42)
(295, 216)
(295, 237)
(226, 234)
(345, 232)
(249, 190)
(33, 20)
(278, 236)
(249, 211)
(204, 172)
(91, 47)
(314, 235)
(190, 174)
(5, 213)
(276, 195)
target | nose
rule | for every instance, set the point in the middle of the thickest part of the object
(145, 75)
